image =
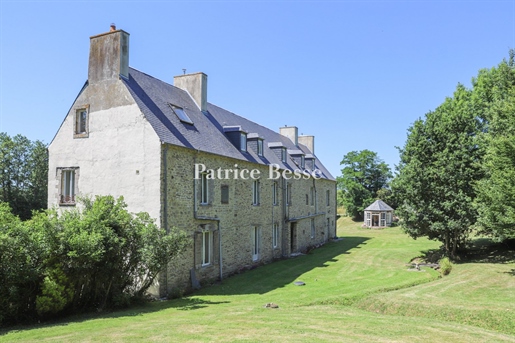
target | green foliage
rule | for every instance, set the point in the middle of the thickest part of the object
(445, 266)
(23, 174)
(364, 174)
(100, 257)
(21, 267)
(496, 200)
(56, 293)
(439, 165)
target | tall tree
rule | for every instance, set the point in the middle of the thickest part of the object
(495, 95)
(23, 174)
(440, 163)
(363, 175)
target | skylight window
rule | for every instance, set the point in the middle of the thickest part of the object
(179, 112)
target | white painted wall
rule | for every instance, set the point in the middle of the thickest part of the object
(120, 143)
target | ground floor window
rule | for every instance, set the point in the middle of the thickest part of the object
(207, 247)
(256, 243)
(68, 186)
(275, 235)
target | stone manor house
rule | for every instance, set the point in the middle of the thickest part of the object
(190, 164)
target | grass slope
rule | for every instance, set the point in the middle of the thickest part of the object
(357, 290)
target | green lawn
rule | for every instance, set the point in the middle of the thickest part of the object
(357, 290)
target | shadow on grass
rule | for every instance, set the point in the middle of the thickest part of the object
(259, 280)
(182, 304)
(281, 273)
(480, 250)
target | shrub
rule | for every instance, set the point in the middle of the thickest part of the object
(100, 257)
(445, 266)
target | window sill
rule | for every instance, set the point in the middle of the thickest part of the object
(81, 135)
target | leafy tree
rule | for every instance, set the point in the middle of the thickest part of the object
(364, 174)
(21, 267)
(439, 165)
(23, 174)
(495, 95)
(99, 257)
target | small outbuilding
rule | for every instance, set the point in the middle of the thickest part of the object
(378, 215)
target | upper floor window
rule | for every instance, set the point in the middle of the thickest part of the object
(283, 155)
(81, 124)
(302, 162)
(328, 197)
(255, 192)
(275, 188)
(260, 147)
(204, 189)
(225, 194)
(243, 141)
(288, 194)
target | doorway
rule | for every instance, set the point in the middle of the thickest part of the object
(293, 237)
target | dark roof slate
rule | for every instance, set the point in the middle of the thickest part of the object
(154, 97)
(379, 205)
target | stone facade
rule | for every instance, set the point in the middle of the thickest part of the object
(128, 134)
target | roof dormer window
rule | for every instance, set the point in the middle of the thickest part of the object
(283, 155)
(243, 142)
(260, 147)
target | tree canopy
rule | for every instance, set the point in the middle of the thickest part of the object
(23, 174)
(457, 168)
(439, 164)
(364, 174)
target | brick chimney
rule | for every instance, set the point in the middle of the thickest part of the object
(196, 85)
(108, 56)
(308, 141)
(291, 132)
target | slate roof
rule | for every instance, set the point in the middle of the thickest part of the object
(154, 98)
(379, 205)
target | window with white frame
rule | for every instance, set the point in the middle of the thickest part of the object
(275, 235)
(368, 218)
(288, 194)
(313, 228)
(207, 247)
(260, 147)
(383, 219)
(68, 188)
(243, 141)
(302, 161)
(283, 155)
(255, 192)
(204, 189)
(275, 191)
(256, 243)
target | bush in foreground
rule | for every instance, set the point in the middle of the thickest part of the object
(91, 259)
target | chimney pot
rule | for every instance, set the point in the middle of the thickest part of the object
(113, 27)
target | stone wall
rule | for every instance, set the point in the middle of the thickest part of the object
(233, 223)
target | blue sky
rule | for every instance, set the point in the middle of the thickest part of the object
(355, 74)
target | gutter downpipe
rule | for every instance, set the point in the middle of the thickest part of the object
(197, 217)
(165, 203)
